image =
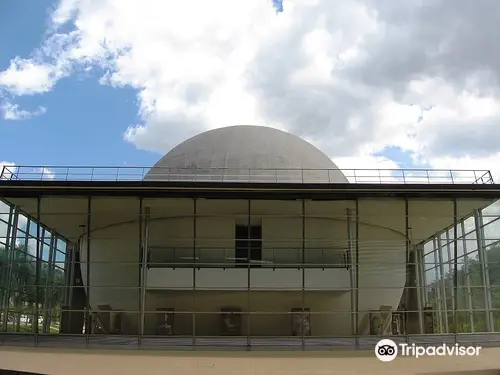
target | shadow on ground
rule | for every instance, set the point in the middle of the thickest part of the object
(469, 372)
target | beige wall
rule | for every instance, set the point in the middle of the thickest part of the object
(381, 249)
(209, 304)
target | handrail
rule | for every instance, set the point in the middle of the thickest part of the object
(215, 174)
(225, 258)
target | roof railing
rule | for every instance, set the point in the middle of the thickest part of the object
(263, 175)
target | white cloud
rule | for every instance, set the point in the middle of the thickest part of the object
(13, 112)
(24, 77)
(354, 81)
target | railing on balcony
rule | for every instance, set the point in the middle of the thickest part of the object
(168, 257)
(126, 173)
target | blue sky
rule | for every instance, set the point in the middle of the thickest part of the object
(82, 114)
(85, 120)
(111, 83)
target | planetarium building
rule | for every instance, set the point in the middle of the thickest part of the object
(247, 237)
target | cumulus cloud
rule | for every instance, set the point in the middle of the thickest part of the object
(13, 112)
(354, 77)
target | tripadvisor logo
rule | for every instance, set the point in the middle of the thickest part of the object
(387, 350)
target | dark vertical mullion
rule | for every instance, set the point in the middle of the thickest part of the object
(37, 265)
(139, 257)
(10, 263)
(303, 266)
(455, 264)
(88, 321)
(48, 286)
(193, 313)
(408, 268)
(351, 261)
(356, 312)
(249, 278)
(144, 256)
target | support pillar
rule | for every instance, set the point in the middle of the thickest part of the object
(352, 269)
(249, 276)
(5, 274)
(443, 306)
(144, 268)
(455, 266)
(195, 252)
(140, 258)
(483, 261)
(356, 273)
(470, 305)
(11, 249)
(419, 258)
(88, 318)
(38, 265)
(47, 308)
(303, 266)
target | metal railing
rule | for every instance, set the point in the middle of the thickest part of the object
(162, 257)
(126, 173)
(243, 343)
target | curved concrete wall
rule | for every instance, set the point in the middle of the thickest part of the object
(381, 263)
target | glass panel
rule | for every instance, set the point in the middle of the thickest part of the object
(60, 258)
(33, 227)
(3, 232)
(429, 260)
(61, 245)
(443, 250)
(480, 321)
(469, 224)
(431, 275)
(491, 212)
(428, 247)
(22, 222)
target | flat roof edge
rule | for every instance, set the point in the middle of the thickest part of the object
(242, 189)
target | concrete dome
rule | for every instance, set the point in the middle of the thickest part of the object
(246, 153)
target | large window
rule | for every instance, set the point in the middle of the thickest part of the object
(32, 260)
(475, 298)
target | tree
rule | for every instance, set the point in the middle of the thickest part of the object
(24, 291)
(477, 292)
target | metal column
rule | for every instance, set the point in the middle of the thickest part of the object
(38, 265)
(144, 268)
(470, 305)
(455, 266)
(303, 261)
(48, 286)
(418, 258)
(483, 261)
(443, 306)
(195, 224)
(249, 276)
(14, 217)
(88, 321)
(141, 260)
(356, 288)
(351, 252)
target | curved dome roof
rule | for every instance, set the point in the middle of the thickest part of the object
(246, 153)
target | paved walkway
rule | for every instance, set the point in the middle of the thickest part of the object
(76, 362)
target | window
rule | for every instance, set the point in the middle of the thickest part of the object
(248, 244)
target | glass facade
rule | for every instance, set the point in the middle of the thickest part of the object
(32, 273)
(462, 276)
(183, 272)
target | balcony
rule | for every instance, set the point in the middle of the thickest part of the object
(218, 269)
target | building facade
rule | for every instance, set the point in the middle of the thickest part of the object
(247, 237)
